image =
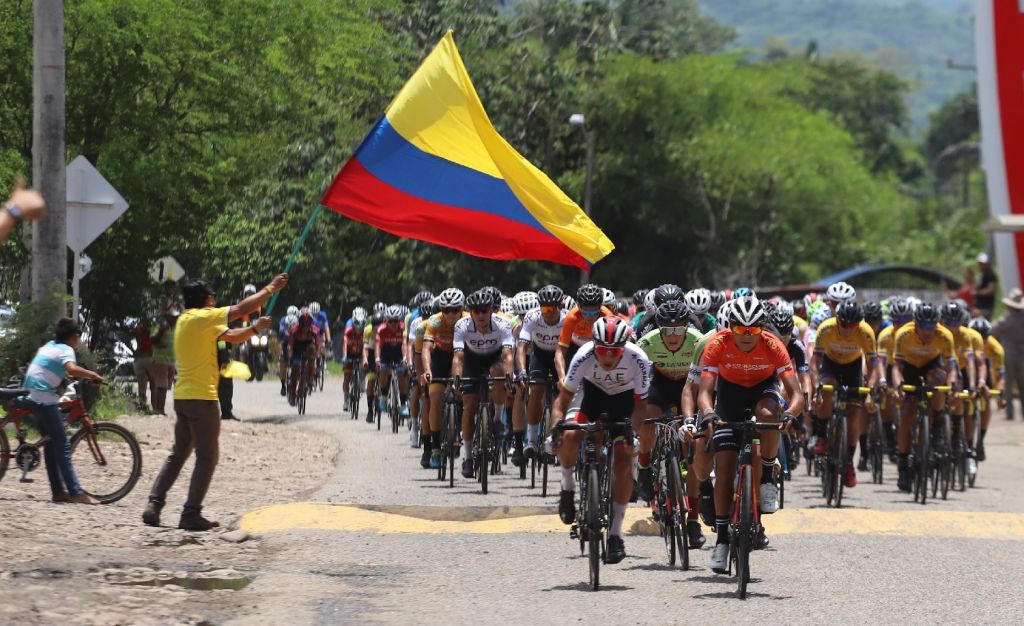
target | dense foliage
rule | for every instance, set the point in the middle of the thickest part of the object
(223, 123)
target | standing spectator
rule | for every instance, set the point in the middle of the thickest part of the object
(24, 204)
(51, 364)
(163, 359)
(197, 423)
(143, 362)
(985, 293)
(1010, 332)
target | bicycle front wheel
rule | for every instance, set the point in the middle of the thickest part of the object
(745, 533)
(677, 508)
(840, 453)
(594, 528)
(107, 459)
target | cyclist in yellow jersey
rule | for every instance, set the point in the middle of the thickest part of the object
(970, 357)
(436, 358)
(924, 353)
(844, 350)
(996, 362)
(900, 313)
(370, 365)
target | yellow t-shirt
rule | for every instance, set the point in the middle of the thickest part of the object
(887, 342)
(964, 344)
(195, 350)
(995, 354)
(842, 350)
(911, 349)
(800, 323)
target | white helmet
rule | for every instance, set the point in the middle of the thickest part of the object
(840, 292)
(723, 315)
(649, 305)
(913, 302)
(569, 303)
(451, 298)
(291, 319)
(524, 302)
(698, 300)
(314, 308)
(358, 317)
(609, 297)
(506, 306)
(293, 311)
(785, 307)
(747, 311)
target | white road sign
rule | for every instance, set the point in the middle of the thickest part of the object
(165, 269)
(93, 204)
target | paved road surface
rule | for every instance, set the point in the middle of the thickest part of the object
(383, 541)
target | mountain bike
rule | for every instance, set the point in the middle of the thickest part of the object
(833, 467)
(744, 514)
(594, 510)
(106, 455)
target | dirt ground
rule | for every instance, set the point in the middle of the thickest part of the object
(77, 564)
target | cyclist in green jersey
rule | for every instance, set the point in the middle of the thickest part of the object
(699, 303)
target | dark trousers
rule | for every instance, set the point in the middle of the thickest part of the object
(57, 452)
(226, 392)
(197, 428)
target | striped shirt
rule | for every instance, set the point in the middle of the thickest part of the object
(46, 372)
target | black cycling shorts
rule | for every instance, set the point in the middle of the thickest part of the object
(441, 363)
(542, 365)
(371, 361)
(391, 356)
(665, 393)
(475, 366)
(849, 374)
(615, 409)
(736, 403)
(913, 375)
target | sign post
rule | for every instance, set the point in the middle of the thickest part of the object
(92, 206)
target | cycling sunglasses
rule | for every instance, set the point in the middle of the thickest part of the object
(590, 312)
(747, 330)
(481, 310)
(673, 331)
(549, 308)
(930, 326)
(849, 324)
(452, 310)
(604, 351)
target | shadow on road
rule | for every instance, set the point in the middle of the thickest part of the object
(586, 587)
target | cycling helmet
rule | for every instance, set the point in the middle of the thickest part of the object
(621, 307)
(394, 313)
(359, 317)
(549, 295)
(568, 303)
(379, 308)
(798, 305)
(872, 311)
(507, 306)
(743, 292)
(982, 325)
(926, 313)
(639, 295)
(900, 308)
(248, 290)
(451, 298)
(819, 316)
(479, 299)
(782, 321)
(611, 331)
(293, 310)
(840, 292)
(949, 315)
(698, 300)
(422, 297)
(608, 299)
(667, 293)
(291, 319)
(314, 308)
(649, 305)
(427, 308)
(496, 296)
(524, 302)
(747, 311)
(589, 295)
(769, 307)
(785, 308)
(722, 318)
(673, 313)
(914, 302)
(849, 312)
(717, 299)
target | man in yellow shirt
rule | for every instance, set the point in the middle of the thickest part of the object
(197, 422)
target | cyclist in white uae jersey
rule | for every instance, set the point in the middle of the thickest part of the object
(539, 336)
(614, 377)
(483, 347)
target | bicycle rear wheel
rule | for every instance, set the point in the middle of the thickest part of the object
(876, 447)
(594, 527)
(945, 455)
(395, 406)
(109, 463)
(923, 461)
(677, 510)
(744, 533)
(483, 443)
(841, 451)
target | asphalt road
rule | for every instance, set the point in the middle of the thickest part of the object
(383, 541)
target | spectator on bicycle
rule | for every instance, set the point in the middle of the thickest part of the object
(614, 377)
(197, 411)
(304, 336)
(52, 363)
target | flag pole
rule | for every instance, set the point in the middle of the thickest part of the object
(295, 253)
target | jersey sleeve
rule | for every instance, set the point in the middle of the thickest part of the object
(780, 358)
(642, 380)
(507, 340)
(428, 331)
(574, 375)
(867, 341)
(568, 327)
(712, 359)
(459, 337)
(526, 330)
(995, 353)
(949, 345)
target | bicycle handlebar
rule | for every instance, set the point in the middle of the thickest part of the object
(860, 390)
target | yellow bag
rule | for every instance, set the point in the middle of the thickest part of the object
(236, 369)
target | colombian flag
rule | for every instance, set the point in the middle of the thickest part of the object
(435, 169)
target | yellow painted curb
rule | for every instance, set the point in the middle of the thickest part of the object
(923, 523)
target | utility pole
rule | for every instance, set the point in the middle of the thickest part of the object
(49, 235)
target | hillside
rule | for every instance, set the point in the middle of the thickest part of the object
(911, 38)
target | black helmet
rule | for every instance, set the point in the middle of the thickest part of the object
(872, 311)
(496, 296)
(621, 307)
(668, 293)
(982, 325)
(420, 298)
(673, 313)
(849, 312)
(589, 295)
(639, 295)
(427, 308)
(550, 295)
(782, 321)
(926, 313)
(950, 315)
(717, 299)
(479, 299)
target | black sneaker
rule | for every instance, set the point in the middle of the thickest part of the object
(903, 482)
(707, 503)
(425, 457)
(979, 452)
(151, 516)
(862, 465)
(517, 457)
(760, 540)
(196, 522)
(616, 550)
(567, 506)
(284, 391)
(645, 483)
(695, 535)
(467, 468)
(369, 416)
